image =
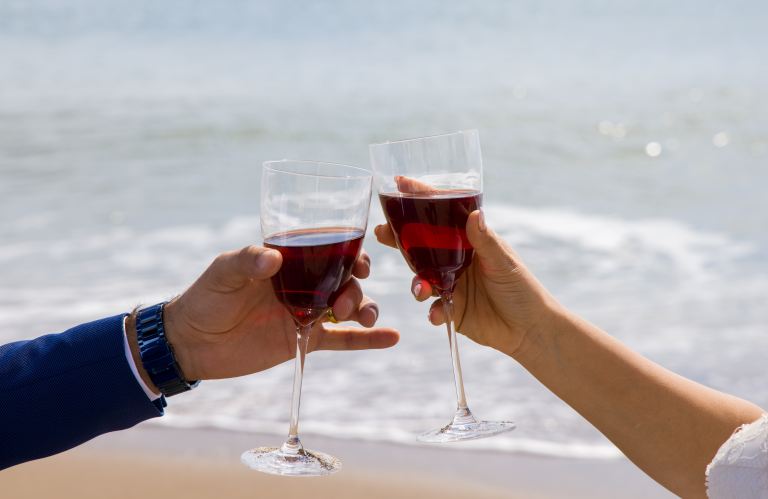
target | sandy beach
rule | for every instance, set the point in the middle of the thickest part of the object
(151, 461)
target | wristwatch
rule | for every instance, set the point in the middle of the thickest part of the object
(157, 354)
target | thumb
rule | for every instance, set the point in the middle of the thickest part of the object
(234, 268)
(493, 254)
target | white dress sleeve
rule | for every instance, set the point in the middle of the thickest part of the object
(740, 468)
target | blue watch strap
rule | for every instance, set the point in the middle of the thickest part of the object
(157, 354)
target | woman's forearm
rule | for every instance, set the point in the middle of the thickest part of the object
(669, 426)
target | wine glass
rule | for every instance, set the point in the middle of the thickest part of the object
(427, 188)
(315, 214)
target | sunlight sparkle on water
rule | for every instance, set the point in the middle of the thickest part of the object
(613, 130)
(720, 139)
(653, 149)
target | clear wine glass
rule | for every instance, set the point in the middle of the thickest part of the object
(428, 187)
(315, 214)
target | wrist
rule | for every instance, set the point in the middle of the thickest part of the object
(539, 338)
(157, 353)
(133, 344)
(174, 332)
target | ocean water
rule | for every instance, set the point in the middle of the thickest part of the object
(626, 156)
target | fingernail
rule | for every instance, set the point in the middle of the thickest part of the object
(263, 261)
(416, 289)
(481, 222)
(375, 311)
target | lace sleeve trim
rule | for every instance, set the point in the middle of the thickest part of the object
(747, 448)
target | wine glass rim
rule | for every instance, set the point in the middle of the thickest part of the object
(271, 165)
(435, 136)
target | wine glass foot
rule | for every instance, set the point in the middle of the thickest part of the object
(455, 432)
(276, 462)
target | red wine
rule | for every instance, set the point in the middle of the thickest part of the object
(430, 232)
(316, 262)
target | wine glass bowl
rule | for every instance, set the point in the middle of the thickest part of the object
(430, 231)
(428, 187)
(315, 214)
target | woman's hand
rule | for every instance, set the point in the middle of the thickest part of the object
(229, 322)
(497, 301)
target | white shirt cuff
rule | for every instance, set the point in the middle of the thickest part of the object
(129, 357)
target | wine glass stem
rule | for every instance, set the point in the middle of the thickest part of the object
(461, 398)
(293, 444)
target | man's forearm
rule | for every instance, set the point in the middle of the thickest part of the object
(671, 427)
(60, 390)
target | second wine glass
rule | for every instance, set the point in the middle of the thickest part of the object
(427, 188)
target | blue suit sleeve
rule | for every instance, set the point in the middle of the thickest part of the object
(60, 390)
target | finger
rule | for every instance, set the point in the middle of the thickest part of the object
(436, 313)
(232, 269)
(410, 185)
(348, 301)
(367, 313)
(495, 255)
(385, 235)
(362, 267)
(421, 289)
(347, 338)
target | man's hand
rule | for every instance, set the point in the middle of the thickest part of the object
(229, 322)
